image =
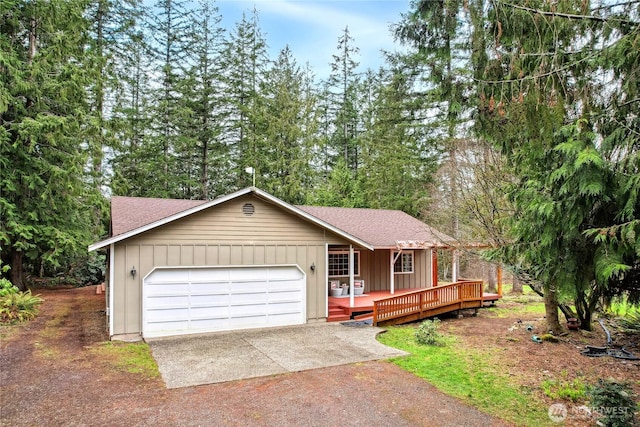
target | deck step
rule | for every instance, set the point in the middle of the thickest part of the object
(364, 316)
(338, 318)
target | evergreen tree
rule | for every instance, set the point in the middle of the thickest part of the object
(131, 113)
(289, 123)
(442, 51)
(173, 34)
(397, 162)
(43, 111)
(544, 105)
(342, 96)
(244, 60)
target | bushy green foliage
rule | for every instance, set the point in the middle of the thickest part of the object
(87, 270)
(6, 287)
(427, 333)
(614, 402)
(565, 389)
(19, 306)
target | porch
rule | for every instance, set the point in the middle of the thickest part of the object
(450, 298)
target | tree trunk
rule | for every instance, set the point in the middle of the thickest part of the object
(551, 310)
(491, 278)
(517, 285)
(16, 273)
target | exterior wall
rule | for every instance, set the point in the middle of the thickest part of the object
(375, 268)
(221, 235)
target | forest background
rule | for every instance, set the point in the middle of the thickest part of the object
(514, 123)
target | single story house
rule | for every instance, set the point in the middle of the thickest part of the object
(249, 259)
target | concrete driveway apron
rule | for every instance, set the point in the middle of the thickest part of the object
(226, 356)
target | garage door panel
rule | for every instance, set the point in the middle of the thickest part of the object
(209, 300)
(168, 315)
(284, 308)
(209, 275)
(169, 288)
(213, 312)
(209, 288)
(191, 300)
(176, 301)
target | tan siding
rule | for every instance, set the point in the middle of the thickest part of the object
(227, 223)
(132, 300)
(375, 268)
(222, 235)
(200, 255)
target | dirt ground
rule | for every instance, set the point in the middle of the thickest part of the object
(50, 376)
(529, 364)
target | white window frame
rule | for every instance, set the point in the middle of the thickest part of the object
(402, 263)
(356, 267)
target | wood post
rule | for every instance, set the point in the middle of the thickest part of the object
(500, 281)
(434, 267)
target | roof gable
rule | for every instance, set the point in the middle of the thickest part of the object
(129, 219)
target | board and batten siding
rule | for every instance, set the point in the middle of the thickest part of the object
(221, 235)
(375, 268)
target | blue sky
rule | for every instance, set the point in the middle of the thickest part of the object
(311, 27)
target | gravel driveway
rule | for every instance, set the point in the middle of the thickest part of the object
(214, 358)
(50, 376)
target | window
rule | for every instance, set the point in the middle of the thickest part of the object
(339, 263)
(404, 263)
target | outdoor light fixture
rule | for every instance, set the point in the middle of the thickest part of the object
(313, 266)
(133, 272)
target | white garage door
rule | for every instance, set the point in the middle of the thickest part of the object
(188, 300)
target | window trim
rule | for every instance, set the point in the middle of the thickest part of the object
(399, 260)
(356, 267)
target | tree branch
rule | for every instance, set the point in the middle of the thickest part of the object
(567, 15)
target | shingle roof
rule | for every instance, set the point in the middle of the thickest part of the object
(374, 228)
(129, 213)
(381, 228)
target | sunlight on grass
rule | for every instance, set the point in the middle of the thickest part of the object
(519, 309)
(134, 358)
(469, 374)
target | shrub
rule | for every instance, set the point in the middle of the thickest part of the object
(427, 333)
(19, 306)
(614, 403)
(6, 287)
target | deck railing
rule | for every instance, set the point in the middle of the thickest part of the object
(420, 303)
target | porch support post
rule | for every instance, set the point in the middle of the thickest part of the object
(454, 267)
(391, 275)
(434, 266)
(351, 273)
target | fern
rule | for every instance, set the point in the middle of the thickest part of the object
(19, 307)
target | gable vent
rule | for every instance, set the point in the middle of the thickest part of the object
(248, 209)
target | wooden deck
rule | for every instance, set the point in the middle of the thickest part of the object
(430, 302)
(406, 303)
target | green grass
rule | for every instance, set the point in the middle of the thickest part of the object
(134, 358)
(469, 374)
(517, 309)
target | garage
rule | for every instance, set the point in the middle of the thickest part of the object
(186, 300)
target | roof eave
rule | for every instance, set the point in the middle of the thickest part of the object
(223, 199)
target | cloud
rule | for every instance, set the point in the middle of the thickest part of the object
(311, 28)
